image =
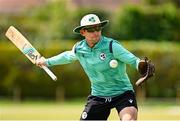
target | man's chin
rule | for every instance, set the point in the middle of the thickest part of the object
(96, 41)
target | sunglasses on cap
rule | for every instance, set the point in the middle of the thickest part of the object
(93, 29)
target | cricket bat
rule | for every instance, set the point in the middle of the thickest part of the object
(26, 48)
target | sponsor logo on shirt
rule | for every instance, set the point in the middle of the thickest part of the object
(130, 100)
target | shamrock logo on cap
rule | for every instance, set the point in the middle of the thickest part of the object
(92, 19)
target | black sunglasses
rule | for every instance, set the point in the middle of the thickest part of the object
(93, 29)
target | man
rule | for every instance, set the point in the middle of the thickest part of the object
(110, 85)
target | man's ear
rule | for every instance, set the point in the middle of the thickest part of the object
(82, 32)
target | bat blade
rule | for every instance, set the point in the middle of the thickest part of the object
(22, 44)
(25, 47)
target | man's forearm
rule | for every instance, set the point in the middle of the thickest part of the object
(63, 58)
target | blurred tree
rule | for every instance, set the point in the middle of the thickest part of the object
(49, 20)
(153, 22)
(177, 2)
(156, 2)
(159, 2)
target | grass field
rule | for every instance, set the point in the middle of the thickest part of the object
(71, 110)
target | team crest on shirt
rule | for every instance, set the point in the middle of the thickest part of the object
(102, 56)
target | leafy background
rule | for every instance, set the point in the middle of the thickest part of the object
(150, 29)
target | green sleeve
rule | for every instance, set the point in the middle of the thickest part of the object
(63, 58)
(124, 55)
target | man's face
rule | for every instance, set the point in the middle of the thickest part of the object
(92, 33)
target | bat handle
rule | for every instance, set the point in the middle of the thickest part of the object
(49, 72)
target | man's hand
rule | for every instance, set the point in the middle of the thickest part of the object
(41, 62)
(146, 69)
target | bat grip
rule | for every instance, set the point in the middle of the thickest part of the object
(49, 72)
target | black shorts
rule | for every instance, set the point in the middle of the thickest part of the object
(98, 108)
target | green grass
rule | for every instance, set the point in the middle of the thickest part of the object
(40, 110)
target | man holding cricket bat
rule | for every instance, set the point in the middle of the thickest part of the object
(104, 61)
